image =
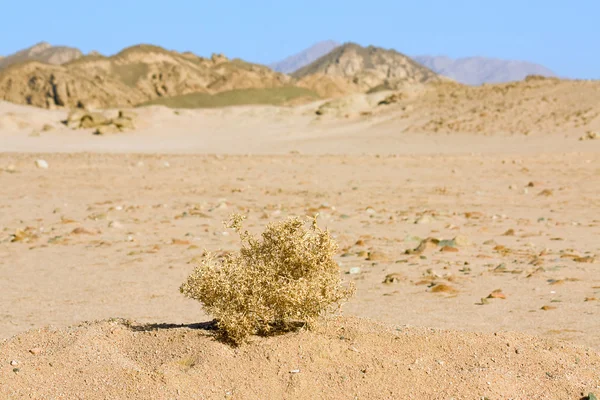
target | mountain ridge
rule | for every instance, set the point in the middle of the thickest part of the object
(479, 70)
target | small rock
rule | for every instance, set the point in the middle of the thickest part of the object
(548, 308)
(426, 244)
(588, 259)
(449, 249)
(43, 164)
(462, 241)
(47, 127)
(82, 231)
(376, 256)
(393, 278)
(497, 294)
(354, 271)
(443, 288)
(14, 363)
(425, 219)
(35, 351)
(115, 225)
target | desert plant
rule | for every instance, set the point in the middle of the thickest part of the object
(286, 277)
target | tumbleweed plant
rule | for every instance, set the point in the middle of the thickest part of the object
(285, 277)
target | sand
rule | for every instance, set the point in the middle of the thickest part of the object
(112, 228)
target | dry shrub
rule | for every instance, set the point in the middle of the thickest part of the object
(286, 277)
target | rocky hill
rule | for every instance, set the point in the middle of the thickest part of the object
(135, 75)
(42, 52)
(352, 68)
(305, 57)
(479, 70)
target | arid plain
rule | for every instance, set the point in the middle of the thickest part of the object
(469, 220)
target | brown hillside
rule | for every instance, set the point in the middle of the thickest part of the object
(363, 69)
(135, 75)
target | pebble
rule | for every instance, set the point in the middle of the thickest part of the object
(115, 225)
(425, 219)
(35, 351)
(462, 241)
(43, 164)
(354, 271)
(376, 256)
(14, 363)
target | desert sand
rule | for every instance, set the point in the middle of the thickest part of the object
(500, 302)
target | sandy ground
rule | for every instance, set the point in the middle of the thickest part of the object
(113, 226)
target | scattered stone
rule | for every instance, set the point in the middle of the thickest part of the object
(391, 99)
(546, 192)
(354, 271)
(81, 119)
(393, 278)
(510, 232)
(42, 164)
(425, 245)
(548, 308)
(14, 363)
(377, 256)
(24, 235)
(115, 225)
(47, 127)
(35, 351)
(497, 294)
(449, 249)
(82, 231)
(462, 241)
(443, 288)
(425, 219)
(590, 135)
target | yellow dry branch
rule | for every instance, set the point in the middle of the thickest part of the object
(273, 283)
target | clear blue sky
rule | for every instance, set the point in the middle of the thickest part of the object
(562, 35)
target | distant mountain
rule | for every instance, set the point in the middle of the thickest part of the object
(479, 70)
(351, 68)
(305, 57)
(42, 52)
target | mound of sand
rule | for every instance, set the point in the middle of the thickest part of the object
(345, 358)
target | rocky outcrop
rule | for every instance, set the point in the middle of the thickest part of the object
(365, 69)
(135, 75)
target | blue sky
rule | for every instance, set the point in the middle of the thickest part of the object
(562, 35)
